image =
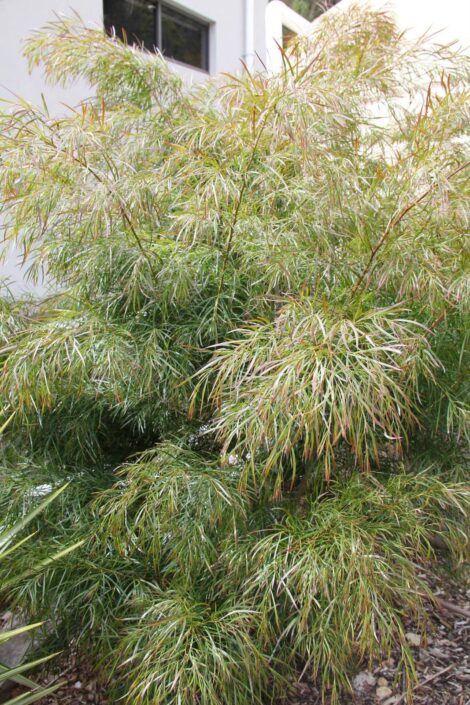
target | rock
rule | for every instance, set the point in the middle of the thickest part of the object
(13, 651)
(364, 682)
(77, 685)
(383, 692)
(413, 639)
(391, 701)
(382, 682)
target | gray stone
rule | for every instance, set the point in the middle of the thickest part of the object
(383, 692)
(413, 639)
(364, 682)
(13, 651)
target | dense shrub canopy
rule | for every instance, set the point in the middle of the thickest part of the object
(253, 367)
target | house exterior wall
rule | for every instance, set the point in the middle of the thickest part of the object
(17, 19)
(227, 40)
(449, 19)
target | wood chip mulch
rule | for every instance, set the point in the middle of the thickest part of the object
(442, 666)
(442, 660)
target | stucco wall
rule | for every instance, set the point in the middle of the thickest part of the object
(227, 41)
(451, 19)
(17, 19)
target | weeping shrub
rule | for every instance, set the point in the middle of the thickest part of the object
(252, 372)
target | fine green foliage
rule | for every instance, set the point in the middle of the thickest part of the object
(172, 491)
(207, 654)
(7, 549)
(313, 378)
(326, 581)
(253, 370)
(145, 75)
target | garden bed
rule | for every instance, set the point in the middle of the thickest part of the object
(442, 665)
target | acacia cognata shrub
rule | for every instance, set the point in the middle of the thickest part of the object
(253, 370)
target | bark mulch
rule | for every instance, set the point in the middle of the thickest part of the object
(442, 659)
(442, 665)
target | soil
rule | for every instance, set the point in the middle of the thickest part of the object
(442, 659)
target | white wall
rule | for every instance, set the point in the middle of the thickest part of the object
(17, 19)
(442, 21)
(227, 41)
(450, 18)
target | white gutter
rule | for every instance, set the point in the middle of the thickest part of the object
(279, 15)
(249, 52)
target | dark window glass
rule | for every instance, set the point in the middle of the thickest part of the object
(183, 38)
(133, 21)
(154, 24)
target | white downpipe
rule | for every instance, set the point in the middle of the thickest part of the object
(279, 15)
(249, 34)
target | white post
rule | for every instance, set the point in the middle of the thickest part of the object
(249, 33)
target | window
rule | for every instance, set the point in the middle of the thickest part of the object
(177, 35)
